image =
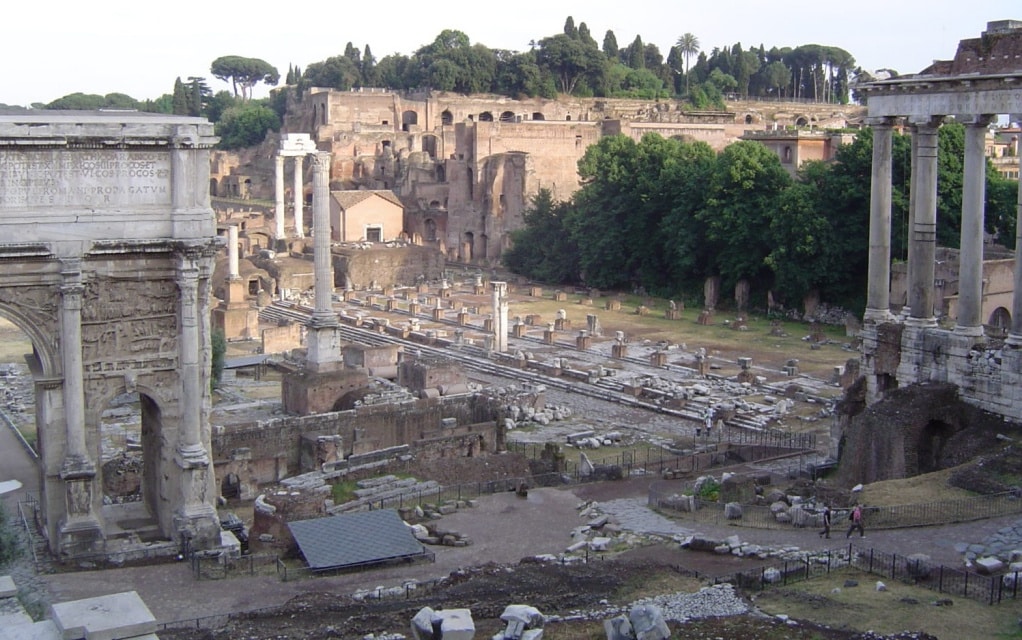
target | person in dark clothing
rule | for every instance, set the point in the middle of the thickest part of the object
(826, 523)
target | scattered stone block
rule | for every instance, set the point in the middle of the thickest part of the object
(110, 617)
(989, 565)
(772, 575)
(648, 622)
(618, 628)
(733, 511)
(7, 587)
(881, 586)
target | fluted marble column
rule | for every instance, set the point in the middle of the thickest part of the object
(77, 462)
(299, 198)
(878, 294)
(190, 451)
(922, 242)
(323, 341)
(970, 270)
(278, 185)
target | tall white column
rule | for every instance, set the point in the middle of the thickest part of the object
(299, 198)
(278, 185)
(499, 316)
(878, 297)
(970, 270)
(1015, 336)
(232, 252)
(323, 341)
(324, 273)
(923, 233)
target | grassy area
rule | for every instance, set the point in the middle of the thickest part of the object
(901, 608)
(929, 487)
(760, 341)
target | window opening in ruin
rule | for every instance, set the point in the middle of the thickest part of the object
(441, 173)
(409, 119)
(434, 204)
(483, 240)
(429, 146)
(446, 117)
(467, 246)
(385, 122)
(538, 115)
(253, 286)
(1000, 320)
(886, 382)
(568, 117)
(430, 230)
(748, 119)
(130, 429)
(213, 187)
(507, 116)
(503, 203)
(385, 144)
(787, 154)
(485, 116)
(374, 234)
(322, 114)
(801, 121)
(578, 142)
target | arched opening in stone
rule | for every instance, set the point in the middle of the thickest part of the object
(131, 439)
(471, 183)
(467, 246)
(507, 116)
(801, 121)
(568, 117)
(441, 173)
(429, 146)
(17, 350)
(485, 116)
(538, 115)
(446, 117)
(930, 446)
(430, 226)
(409, 119)
(213, 187)
(483, 240)
(748, 119)
(1000, 319)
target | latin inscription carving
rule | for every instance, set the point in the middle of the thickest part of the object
(102, 178)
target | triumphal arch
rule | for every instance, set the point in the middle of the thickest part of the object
(982, 82)
(107, 241)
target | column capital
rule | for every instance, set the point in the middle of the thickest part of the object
(880, 121)
(925, 122)
(278, 160)
(321, 159)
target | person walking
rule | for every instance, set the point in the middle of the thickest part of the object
(826, 523)
(856, 519)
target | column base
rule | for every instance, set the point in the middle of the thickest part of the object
(921, 323)
(80, 535)
(191, 457)
(878, 316)
(77, 467)
(969, 332)
(197, 527)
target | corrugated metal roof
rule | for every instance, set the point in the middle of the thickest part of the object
(353, 539)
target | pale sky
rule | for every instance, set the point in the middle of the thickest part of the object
(54, 48)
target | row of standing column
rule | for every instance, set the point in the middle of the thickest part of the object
(298, 195)
(922, 236)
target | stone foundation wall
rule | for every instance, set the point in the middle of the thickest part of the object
(385, 266)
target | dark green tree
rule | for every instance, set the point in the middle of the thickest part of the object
(246, 125)
(610, 48)
(244, 73)
(543, 249)
(180, 98)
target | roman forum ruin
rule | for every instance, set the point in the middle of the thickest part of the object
(109, 243)
(981, 82)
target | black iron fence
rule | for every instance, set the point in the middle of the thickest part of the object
(991, 589)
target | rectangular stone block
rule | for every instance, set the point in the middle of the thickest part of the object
(7, 587)
(21, 627)
(113, 617)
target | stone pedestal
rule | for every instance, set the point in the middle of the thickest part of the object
(235, 317)
(519, 330)
(446, 292)
(370, 301)
(478, 290)
(703, 366)
(463, 318)
(536, 292)
(388, 291)
(488, 325)
(560, 296)
(533, 320)
(673, 314)
(422, 288)
(414, 308)
(390, 305)
(548, 336)
(619, 351)
(658, 359)
(438, 314)
(562, 324)
(583, 343)
(705, 317)
(613, 305)
(349, 295)
(586, 302)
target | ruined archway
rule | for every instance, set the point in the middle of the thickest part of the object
(446, 118)
(538, 115)
(1000, 319)
(507, 116)
(109, 275)
(929, 447)
(429, 145)
(430, 235)
(485, 116)
(467, 246)
(409, 119)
